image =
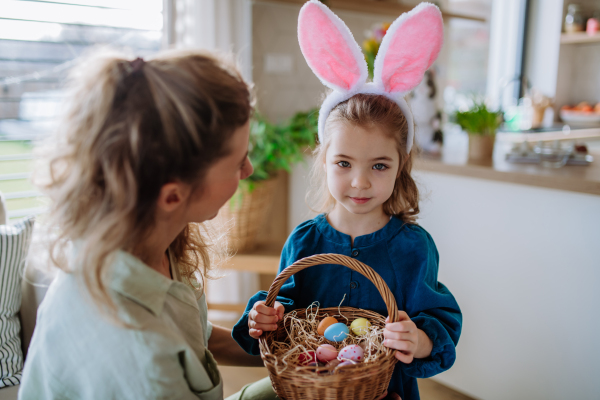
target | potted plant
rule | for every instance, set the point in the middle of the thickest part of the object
(273, 148)
(481, 125)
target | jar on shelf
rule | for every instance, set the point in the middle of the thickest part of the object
(574, 21)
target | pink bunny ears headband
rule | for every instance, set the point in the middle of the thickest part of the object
(410, 46)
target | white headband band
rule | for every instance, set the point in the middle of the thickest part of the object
(410, 46)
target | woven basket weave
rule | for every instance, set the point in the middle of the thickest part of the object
(364, 381)
(247, 212)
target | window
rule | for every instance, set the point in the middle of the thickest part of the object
(39, 42)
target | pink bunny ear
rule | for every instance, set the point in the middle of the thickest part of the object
(410, 46)
(329, 48)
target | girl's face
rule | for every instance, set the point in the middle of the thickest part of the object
(362, 166)
(222, 178)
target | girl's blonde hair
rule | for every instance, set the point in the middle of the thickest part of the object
(366, 110)
(130, 128)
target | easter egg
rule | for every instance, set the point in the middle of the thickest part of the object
(346, 363)
(325, 323)
(360, 326)
(316, 366)
(333, 363)
(326, 352)
(307, 358)
(337, 332)
(352, 352)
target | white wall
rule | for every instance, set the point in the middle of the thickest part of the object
(524, 265)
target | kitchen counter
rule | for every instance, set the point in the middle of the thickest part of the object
(518, 247)
(454, 161)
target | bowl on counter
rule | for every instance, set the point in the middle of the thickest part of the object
(580, 118)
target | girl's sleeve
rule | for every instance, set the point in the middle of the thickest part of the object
(434, 310)
(240, 332)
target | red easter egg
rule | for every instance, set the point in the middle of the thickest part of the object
(307, 358)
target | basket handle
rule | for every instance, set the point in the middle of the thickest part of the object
(364, 269)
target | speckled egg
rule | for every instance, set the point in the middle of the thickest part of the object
(360, 326)
(326, 352)
(352, 352)
(324, 324)
(307, 358)
(337, 332)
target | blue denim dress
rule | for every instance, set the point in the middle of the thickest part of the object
(406, 258)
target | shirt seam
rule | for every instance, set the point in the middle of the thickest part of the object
(395, 274)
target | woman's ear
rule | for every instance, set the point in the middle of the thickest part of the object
(172, 196)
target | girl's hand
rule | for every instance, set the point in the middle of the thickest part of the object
(404, 336)
(262, 318)
(391, 396)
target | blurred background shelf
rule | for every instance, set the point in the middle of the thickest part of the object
(579, 38)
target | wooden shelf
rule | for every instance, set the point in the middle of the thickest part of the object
(264, 260)
(579, 38)
(375, 7)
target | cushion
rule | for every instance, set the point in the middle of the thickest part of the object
(39, 273)
(3, 217)
(14, 244)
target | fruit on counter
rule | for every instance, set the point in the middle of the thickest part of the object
(584, 107)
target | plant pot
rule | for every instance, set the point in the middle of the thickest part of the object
(481, 148)
(245, 214)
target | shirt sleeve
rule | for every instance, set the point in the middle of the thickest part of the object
(209, 328)
(435, 311)
(240, 332)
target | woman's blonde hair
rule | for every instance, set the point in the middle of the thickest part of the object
(130, 128)
(367, 110)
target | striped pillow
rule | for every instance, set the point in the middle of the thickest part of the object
(14, 243)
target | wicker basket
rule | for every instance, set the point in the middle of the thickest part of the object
(247, 213)
(364, 381)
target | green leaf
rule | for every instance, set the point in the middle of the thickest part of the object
(478, 120)
(278, 147)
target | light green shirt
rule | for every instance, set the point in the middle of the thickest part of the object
(78, 353)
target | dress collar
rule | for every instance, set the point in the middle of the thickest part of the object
(390, 229)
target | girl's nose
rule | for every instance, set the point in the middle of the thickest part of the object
(361, 182)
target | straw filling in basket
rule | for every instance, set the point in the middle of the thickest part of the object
(301, 337)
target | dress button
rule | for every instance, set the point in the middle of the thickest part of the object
(353, 285)
(355, 253)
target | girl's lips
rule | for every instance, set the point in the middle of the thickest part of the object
(360, 200)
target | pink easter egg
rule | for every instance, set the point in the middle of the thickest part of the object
(326, 352)
(352, 352)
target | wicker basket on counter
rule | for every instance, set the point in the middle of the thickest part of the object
(246, 213)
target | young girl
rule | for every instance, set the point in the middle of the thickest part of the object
(148, 150)
(370, 200)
